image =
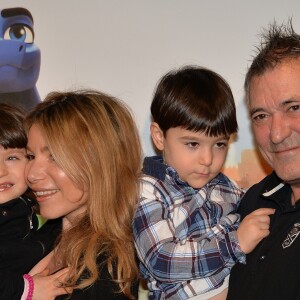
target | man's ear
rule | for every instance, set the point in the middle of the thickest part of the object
(157, 136)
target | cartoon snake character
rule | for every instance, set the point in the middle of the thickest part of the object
(20, 59)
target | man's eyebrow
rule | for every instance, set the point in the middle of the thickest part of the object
(290, 101)
(256, 110)
(282, 104)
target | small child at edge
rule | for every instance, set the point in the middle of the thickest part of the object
(22, 243)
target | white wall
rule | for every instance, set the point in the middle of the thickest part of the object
(123, 47)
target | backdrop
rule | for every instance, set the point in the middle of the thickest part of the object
(122, 47)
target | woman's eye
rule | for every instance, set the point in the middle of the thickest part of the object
(51, 157)
(29, 156)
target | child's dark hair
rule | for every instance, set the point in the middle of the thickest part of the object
(12, 133)
(196, 99)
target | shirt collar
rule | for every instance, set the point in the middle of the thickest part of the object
(154, 166)
(277, 191)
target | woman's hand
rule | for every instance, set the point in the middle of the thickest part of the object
(42, 264)
(47, 287)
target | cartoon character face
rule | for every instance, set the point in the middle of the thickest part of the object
(20, 58)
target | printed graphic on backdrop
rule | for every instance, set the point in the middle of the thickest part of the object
(20, 59)
(249, 170)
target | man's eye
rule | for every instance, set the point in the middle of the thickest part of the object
(294, 107)
(259, 117)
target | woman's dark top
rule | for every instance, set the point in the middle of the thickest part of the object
(103, 289)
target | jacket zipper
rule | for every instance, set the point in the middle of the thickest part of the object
(29, 219)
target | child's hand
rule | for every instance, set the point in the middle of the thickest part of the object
(47, 287)
(254, 228)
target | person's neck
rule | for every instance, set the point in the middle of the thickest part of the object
(66, 224)
(295, 197)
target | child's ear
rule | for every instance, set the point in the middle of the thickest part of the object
(157, 136)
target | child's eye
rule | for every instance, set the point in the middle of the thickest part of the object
(192, 144)
(221, 144)
(12, 158)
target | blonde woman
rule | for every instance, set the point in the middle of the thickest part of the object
(84, 161)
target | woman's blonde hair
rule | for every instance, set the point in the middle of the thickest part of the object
(93, 138)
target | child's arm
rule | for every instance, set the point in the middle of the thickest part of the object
(170, 259)
(221, 296)
(254, 228)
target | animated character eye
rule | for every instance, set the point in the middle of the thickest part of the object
(19, 32)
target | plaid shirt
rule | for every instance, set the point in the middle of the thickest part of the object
(185, 237)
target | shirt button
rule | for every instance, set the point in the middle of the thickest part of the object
(262, 257)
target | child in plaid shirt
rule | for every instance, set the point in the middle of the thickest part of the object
(186, 229)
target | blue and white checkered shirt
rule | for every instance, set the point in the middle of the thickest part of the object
(185, 237)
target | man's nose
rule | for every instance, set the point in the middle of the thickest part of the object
(280, 129)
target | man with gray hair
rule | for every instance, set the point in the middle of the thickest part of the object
(272, 88)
